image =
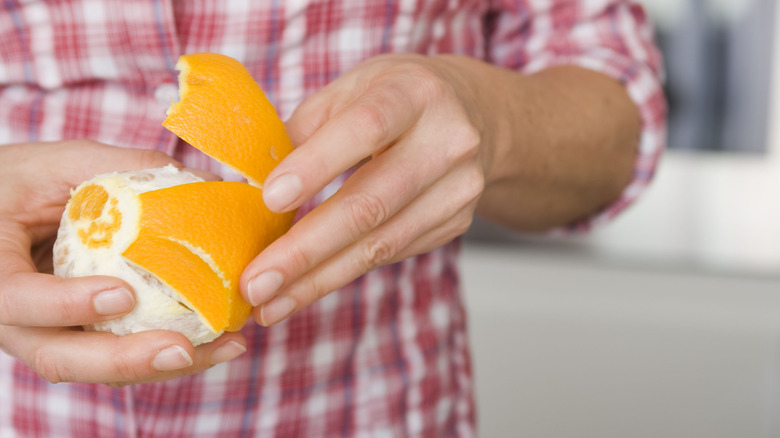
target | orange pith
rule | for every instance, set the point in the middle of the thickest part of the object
(224, 113)
(197, 238)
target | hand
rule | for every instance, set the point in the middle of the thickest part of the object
(415, 127)
(40, 314)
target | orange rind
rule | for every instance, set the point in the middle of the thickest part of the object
(246, 134)
(181, 242)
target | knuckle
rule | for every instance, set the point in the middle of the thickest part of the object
(364, 212)
(416, 70)
(395, 92)
(311, 288)
(472, 185)
(377, 252)
(428, 82)
(462, 223)
(466, 140)
(371, 122)
(297, 258)
(44, 362)
(70, 307)
(124, 369)
(469, 136)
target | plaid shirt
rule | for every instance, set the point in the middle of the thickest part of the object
(385, 356)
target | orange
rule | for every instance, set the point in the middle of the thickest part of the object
(182, 243)
(224, 113)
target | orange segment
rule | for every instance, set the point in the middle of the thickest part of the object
(96, 227)
(224, 113)
(100, 233)
(88, 203)
(221, 223)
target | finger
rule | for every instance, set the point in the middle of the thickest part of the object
(440, 207)
(439, 236)
(345, 217)
(316, 109)
(331, 99)
(70, 355)
(29, 298)
(68, 164)
(374, 193)
(85, 158)
(223, 349)
(42, 300)
(67, 355)
(375, 119)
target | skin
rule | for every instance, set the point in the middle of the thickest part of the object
(39, 312)
(437, 140)
(446, 138)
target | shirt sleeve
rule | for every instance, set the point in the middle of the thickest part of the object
(609, 36)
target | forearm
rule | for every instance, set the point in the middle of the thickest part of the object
(562, 143)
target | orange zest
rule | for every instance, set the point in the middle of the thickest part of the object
(224, 113)
(215, 229)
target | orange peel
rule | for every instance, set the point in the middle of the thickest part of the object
(179, 241)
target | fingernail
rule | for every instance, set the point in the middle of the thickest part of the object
(113, 302)
(227, 352)
(280, 193)
(278, 309)
(261, 288)
(171, 359)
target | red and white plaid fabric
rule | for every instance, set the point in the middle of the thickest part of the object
(385, 356)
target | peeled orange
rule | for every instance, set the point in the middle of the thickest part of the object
(180, 242)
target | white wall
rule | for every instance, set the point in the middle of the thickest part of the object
(717, 210)
(567, 346)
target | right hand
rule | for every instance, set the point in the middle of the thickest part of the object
(40, 314)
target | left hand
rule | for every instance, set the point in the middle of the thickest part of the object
(415, 126)
(40, 314)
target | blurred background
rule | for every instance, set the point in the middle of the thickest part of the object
(666, 323)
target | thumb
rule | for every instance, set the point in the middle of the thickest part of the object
(75, 161)
(47, 171)
(91, 158)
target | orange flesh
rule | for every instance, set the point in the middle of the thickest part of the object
(88, 204)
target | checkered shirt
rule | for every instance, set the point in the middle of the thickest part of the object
(387, 355)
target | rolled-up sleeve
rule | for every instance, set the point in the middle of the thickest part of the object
(609, 36)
